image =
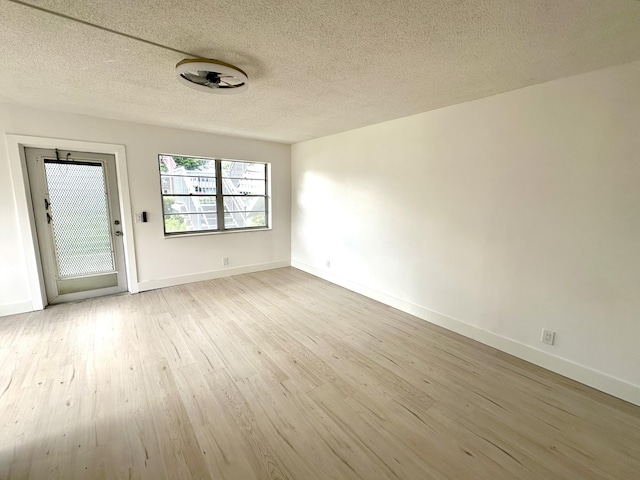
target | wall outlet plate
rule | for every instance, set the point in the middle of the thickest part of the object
(548, 337)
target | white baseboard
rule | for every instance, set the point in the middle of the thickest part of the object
(15, 308)
(200, 277)
(593, 378)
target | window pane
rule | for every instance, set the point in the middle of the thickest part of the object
(190, 222)
(183, 184)
(246, 170)
(245, 219)
(243, 204)
(188, 204)
(240, 186)
(177, 165)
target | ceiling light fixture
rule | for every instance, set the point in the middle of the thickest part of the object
(211, 76)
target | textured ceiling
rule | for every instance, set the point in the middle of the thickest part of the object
(315, 67)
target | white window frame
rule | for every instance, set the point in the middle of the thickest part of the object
(219, 197)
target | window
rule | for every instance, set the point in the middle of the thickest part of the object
(213, 194)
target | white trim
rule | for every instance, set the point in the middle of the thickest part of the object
(216, 232)
(17, 165)
(126, 216)
(16, 308)
(199, 277)
(593, 378)
(26, 222)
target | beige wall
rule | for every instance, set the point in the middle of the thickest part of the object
(495, 218)
(160, 261)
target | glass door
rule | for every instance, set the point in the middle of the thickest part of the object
(77, 219)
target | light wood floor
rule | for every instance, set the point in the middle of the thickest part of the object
(280, 375)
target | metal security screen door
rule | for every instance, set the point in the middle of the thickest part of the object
(79, 217)
(77, 220)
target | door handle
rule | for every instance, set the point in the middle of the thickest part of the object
(118, 233)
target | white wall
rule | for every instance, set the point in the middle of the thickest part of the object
(160, 261)
(503, 215)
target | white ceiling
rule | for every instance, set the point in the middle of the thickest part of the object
(315, 67)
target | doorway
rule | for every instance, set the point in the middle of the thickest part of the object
(78, 223)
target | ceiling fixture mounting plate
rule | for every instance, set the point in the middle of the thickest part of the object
(212, 76)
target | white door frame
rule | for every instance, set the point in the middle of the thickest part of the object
(26, 221)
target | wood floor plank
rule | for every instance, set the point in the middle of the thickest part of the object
(281, 375)
(264, 460)
(224, 448)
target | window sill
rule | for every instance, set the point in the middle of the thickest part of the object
(222, 232)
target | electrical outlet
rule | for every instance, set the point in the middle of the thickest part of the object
(225, 260)
(328, 263)
(548, 337)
